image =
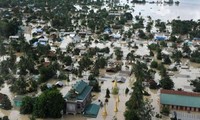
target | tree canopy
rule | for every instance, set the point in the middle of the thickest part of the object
(49, 104)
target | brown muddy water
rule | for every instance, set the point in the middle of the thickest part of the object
(15, 115)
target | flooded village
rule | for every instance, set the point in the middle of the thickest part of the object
(100, 60)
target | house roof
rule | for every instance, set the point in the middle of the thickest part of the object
(160, 37)
(180, 93)
(180, 98)
(122, 79)
(91, 110)
(84, 93)
(18, 98)
(81, 88)
(196, 38)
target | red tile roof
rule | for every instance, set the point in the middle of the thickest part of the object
(184, 93)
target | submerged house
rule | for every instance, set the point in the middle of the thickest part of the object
(160, 38)
(180, 100)
(18, 100)
(78, 98)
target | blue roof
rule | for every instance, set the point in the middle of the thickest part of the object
(180, 100)
(43, 43)
(160, 38)
(107, 30)
(196, 38)
(39, 30)
(91, 110)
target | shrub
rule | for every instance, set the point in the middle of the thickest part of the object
(165, 110)
(154, 64)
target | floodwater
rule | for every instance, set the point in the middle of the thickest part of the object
(186, 10)
(14, 112)
(156, 11)
(15, 115)
(179, 80)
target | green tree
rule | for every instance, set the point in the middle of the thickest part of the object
(163, 71)
(93, 82)
(107, 93)
(2, 49)
(154, 64)
(136, 107)
(163, 44)
(186, 48)
(27, 105)
(196, 84)
(101, 62)
(167, 83)
(177, 55)
(149, 26)
(119, 54)
(130, 56)
(173, 38)
(165, 110)
(46, 73)
(33, 85)
(19, 86)
(159, 55)
(126, 91)
(67, 60)
(195, 56)
(62, 76)
(76, 51)
(166, 60)
(95, 70)
(4, 67)
(6, 104)
(32, 117)
(84, 63)
(49, 104)
(182, 27)
(141, 34)
(26, 63)
(43, 49)
(151, 53)
(5, 118)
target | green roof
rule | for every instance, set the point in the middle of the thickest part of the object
(84, 93)
(18, 100)
(180, 100)
(91, 110)
(82, 89)
(80, 86)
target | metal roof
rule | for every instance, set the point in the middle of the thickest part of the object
(180, 100)
(91, 110)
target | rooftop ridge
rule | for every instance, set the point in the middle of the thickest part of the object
(183, 93)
